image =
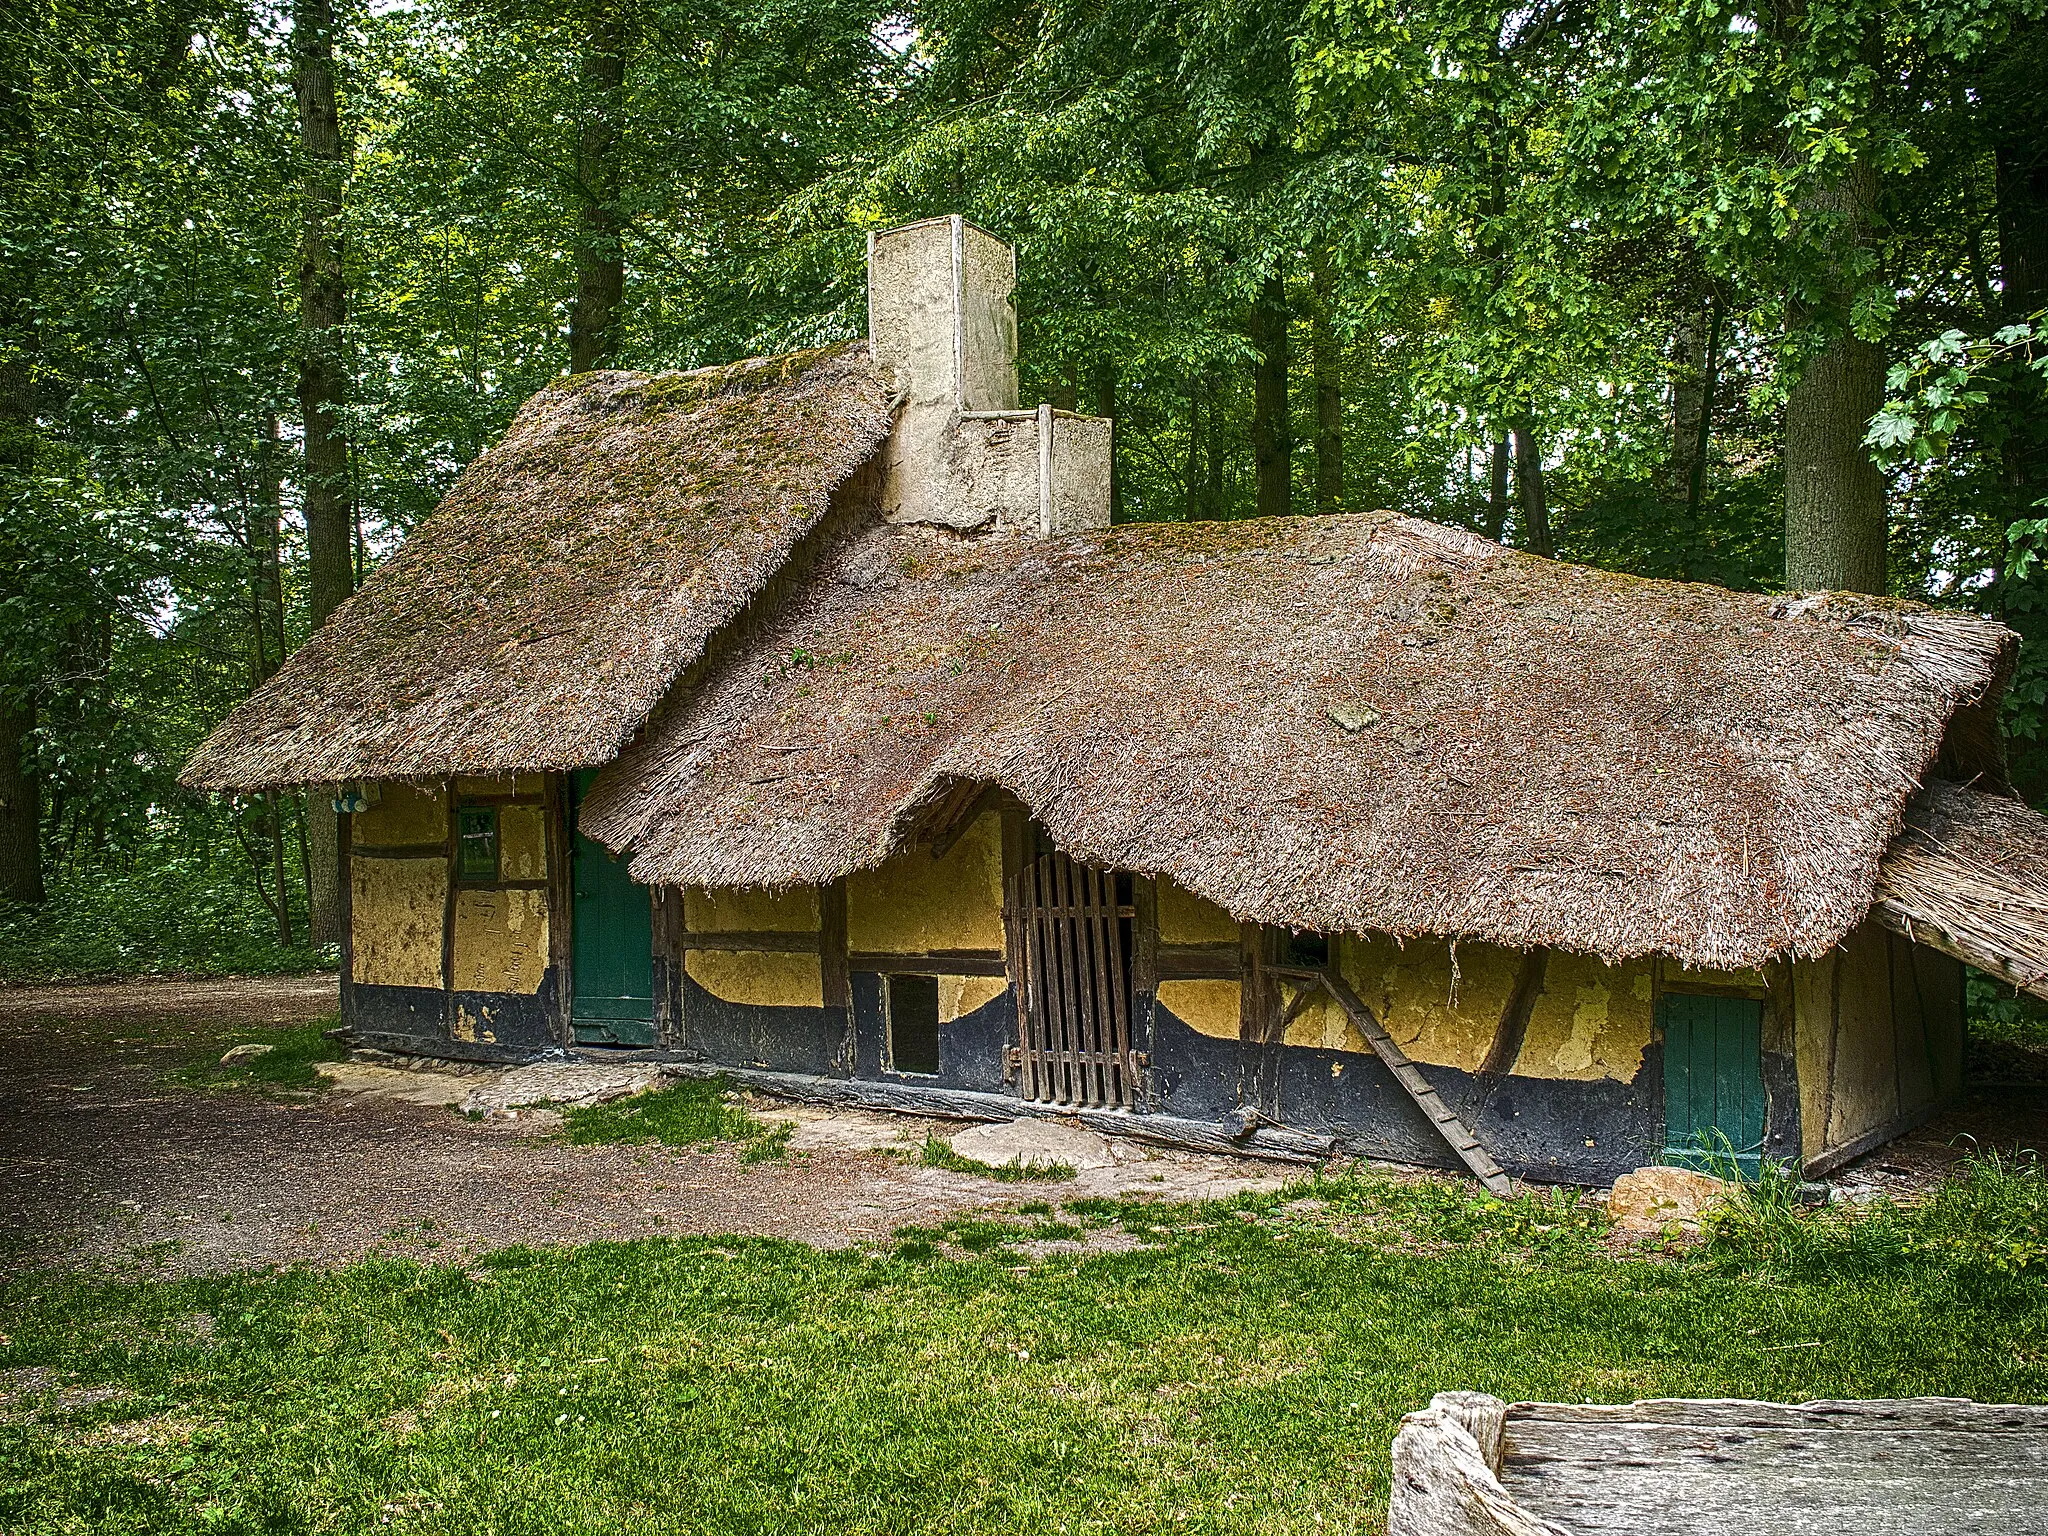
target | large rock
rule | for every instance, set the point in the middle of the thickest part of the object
(1033, 1144)
(1651, 1199)
(564, 1084)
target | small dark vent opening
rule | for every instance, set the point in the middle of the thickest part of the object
(914, 1025)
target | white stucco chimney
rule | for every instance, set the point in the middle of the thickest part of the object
(942, 320)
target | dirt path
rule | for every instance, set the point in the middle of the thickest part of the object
(107, 1162)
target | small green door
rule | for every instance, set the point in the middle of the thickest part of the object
(611, 946)
(1713, 1081)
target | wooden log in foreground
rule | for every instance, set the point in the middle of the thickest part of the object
(1272, 1142)
(1890, 1467)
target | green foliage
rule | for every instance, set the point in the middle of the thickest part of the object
(1982, 1234)
(290, 1064)
(168, 914)
(1434, 1214)
(691, 1112)
(1243, 1369)
(1998, 1012)
(936, 1154)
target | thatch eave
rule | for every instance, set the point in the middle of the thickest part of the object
(570, 576)
(1335, 724)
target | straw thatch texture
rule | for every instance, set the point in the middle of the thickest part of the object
(1355, 723)
(1970, 876)
(568, 578)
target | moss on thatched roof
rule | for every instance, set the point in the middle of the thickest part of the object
(1970, 876)
(1350, 723)
(567, 579)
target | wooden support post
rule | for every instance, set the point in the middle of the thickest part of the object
(561, 902)
(833, 973)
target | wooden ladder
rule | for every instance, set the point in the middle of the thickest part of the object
(1409, 1076)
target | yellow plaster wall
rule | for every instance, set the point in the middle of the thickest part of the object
(523, 842)
(961, 995)
(732, 910)
(915, 904)
(396, 910)
(759, 977)
(1409, 988)
(1209, 1007)
(1185, 918)
(1593, 1020)
(501, 940)
(405, 815)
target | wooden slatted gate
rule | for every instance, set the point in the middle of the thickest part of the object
(1068, 936)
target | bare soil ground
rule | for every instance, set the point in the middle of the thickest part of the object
(108, 1162)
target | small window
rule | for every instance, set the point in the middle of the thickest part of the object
(914, 1025)
(476, 842)
(1310, 951)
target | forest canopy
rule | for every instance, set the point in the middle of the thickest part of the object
(1745, 294)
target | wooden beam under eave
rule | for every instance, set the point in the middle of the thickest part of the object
(1920, 931)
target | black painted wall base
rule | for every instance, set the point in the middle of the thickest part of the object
(1553, 1131)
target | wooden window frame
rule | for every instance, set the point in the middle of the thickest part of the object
(464, 874)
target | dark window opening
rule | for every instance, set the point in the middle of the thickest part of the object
(914, 1025)
(476, 842)
(1311, 951)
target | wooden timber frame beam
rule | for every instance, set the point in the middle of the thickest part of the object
(1920, 931)
(1453, 1130)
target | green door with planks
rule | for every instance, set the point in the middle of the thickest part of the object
(611, 946)
(1713, 1081)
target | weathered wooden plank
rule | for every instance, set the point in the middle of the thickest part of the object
(1444, 1481)
(1272, 1143)
(1822, 1413)
(1873, 1479)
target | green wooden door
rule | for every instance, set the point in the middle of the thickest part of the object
(611, 947)
(1713, 1081)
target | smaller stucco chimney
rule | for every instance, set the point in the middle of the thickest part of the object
(942, 320)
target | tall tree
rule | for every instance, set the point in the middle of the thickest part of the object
(1834, 491)
(600, 255)
(323, 377)
(21, 863)
(1272, 434)
(1326, 366)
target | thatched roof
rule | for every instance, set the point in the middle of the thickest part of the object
(1350, 723)
(568, 578)
(1970, 876)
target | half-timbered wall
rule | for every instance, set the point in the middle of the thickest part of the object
(440, 951)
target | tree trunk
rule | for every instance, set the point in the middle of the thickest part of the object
(1497, 492)
(1834, 492)
(1272, 440)
(600, 257)
(2020, 153)
(1194, 465)
(330, 563)
(1703, 429)
(1326, 361)
(21, 848)
(1688, 395)
(1529, 485)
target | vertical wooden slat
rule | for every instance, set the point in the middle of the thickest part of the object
(1086, 963)
(1047, 973)
(1100, 943)
(1034, 978)
(1119, 1001)
(1057, 1008)
(1070, 995)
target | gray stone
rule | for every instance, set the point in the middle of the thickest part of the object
(240, 1055)
(1033, 1144)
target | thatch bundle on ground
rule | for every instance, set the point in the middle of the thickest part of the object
(1353, 723)
(567, 580)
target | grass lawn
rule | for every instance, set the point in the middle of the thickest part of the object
(1241, 1369)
